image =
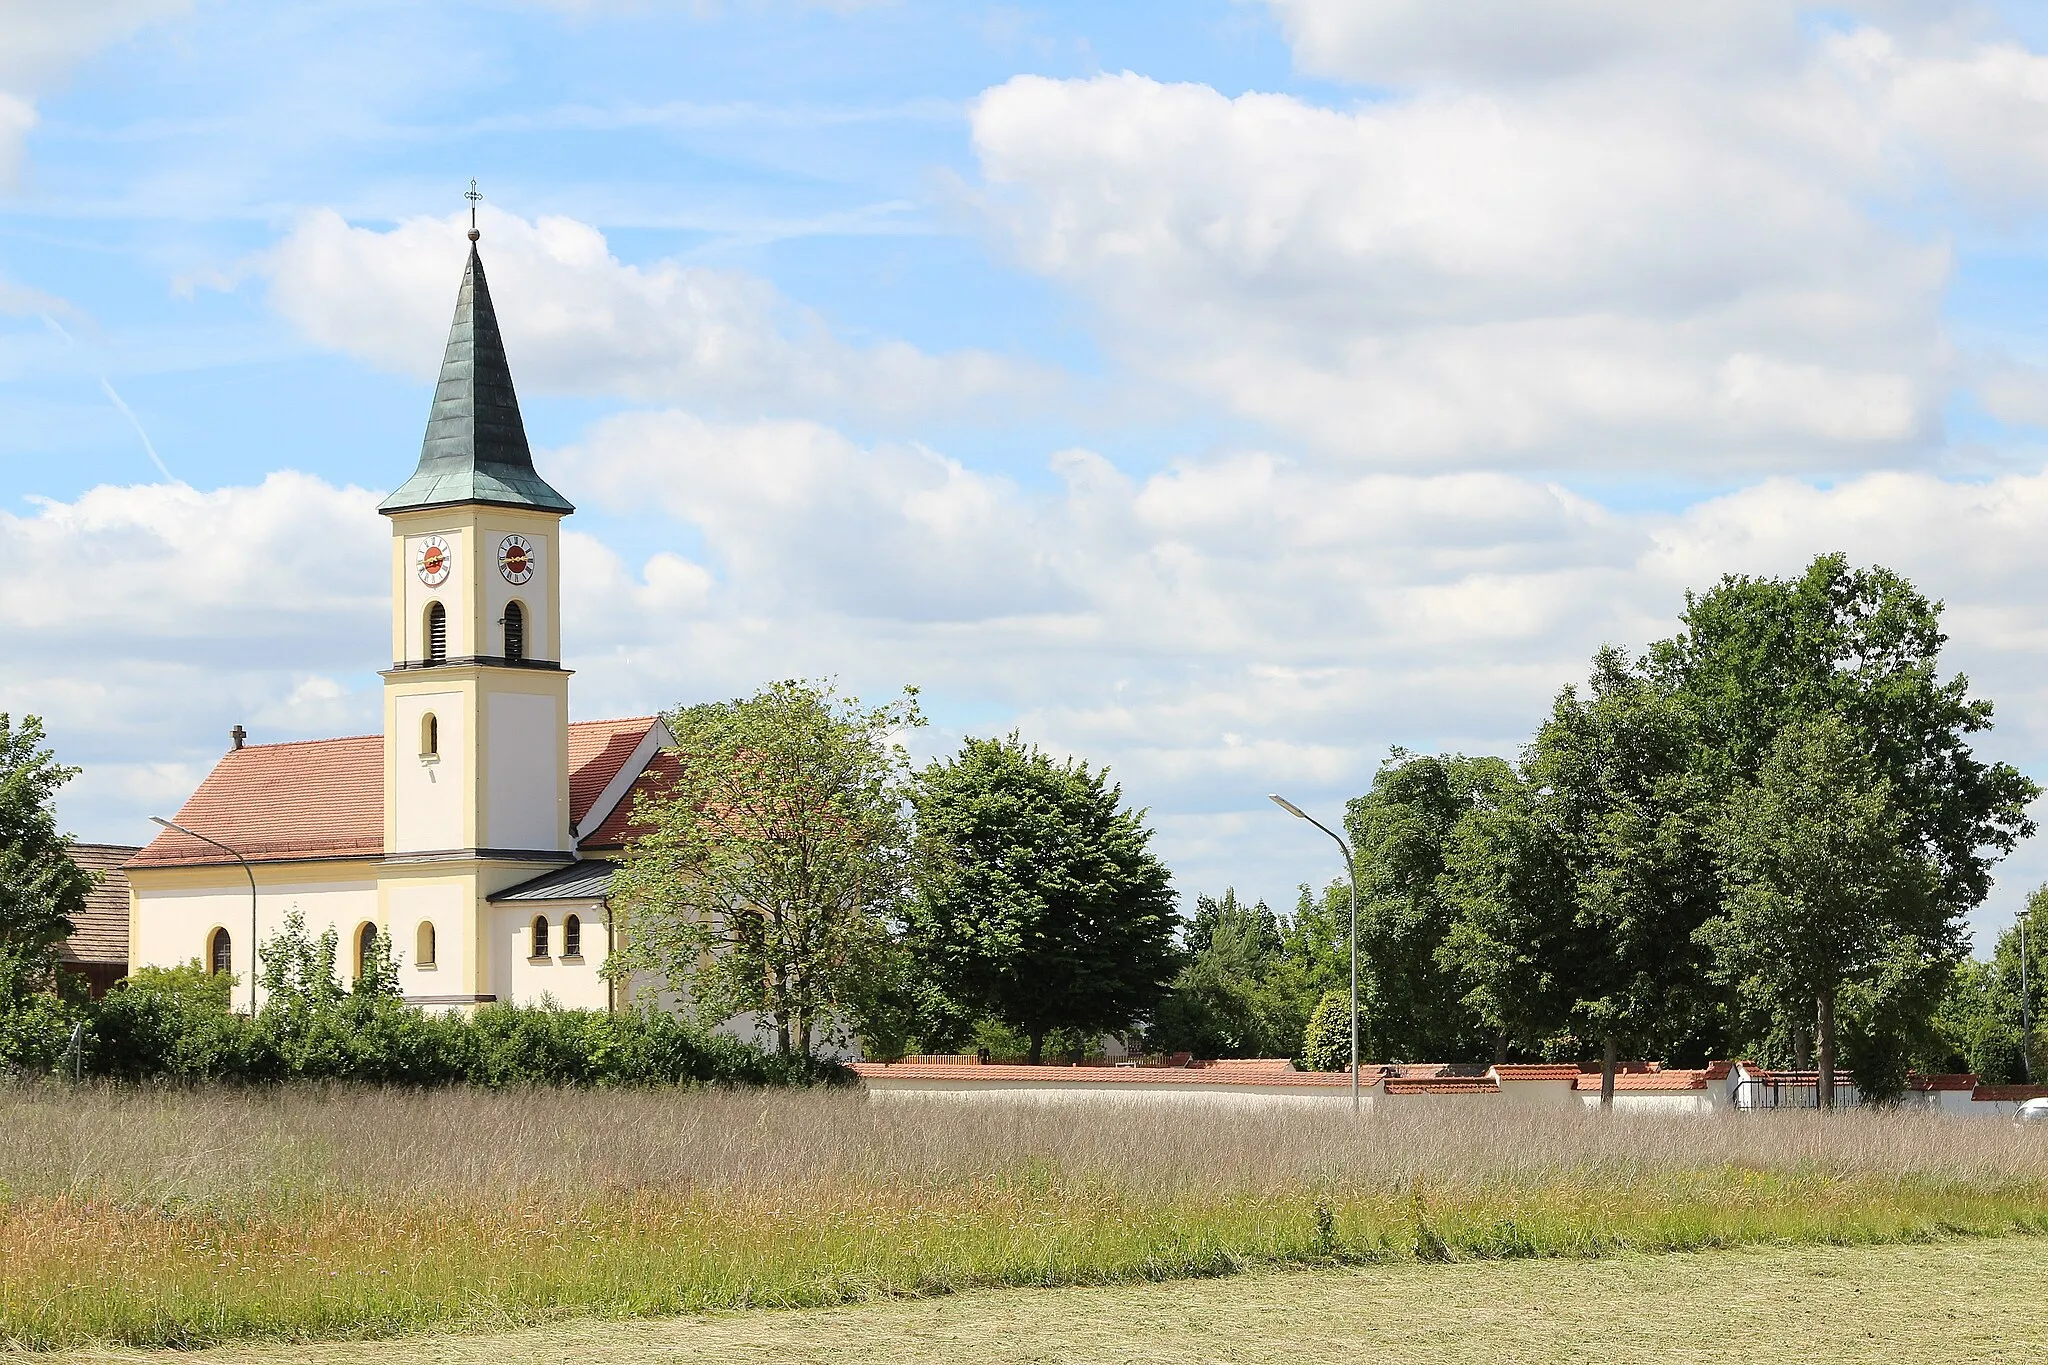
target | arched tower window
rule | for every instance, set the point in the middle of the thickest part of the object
(515, 631)
(423, 945)
(220, 953)
(430, 736)
(437, 633)
(572, 937)
(366, 944)
(540, 935)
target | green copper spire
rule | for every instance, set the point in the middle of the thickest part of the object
(475, 449)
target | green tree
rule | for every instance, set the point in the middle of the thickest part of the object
(774, 859)
(1044, 906)
(1581, 887)
(1515, 943)
(1823, 886)
(1755, 655)
(1983, 1024)
(1226, 1000)
(1399, 832)
(40, 887)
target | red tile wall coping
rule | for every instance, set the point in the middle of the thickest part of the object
(1106, 1075)
(2009, 1094)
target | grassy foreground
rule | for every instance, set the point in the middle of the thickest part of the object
(1977, 1301)
(181, 1218)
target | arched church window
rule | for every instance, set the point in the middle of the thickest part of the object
(437, 632)
(430, 736)
(423, 945)
(540, 935)
(366, 945)
(515, 631)
(572, 937)
(220, 953)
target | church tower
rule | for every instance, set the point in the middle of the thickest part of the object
(476, 702)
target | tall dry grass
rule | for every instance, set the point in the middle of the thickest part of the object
(184, 1216)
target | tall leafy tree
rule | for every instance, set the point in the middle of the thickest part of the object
(1757, 655)
(774, 859)
(41, 889)
(1045, 906)
(1581, 892)
(1822, 884)
(1515, 944)
(1399, 832)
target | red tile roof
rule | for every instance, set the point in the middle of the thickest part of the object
(597, 750)
(1536, 1071)
(620, 828)
(1646, 1080)
(1947, 1080)
(1211, 1074)
(324, 798)
(1440, 1085)
(321, 798)
(2009, 1093)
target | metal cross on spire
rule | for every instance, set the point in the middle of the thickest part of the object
(473, 197)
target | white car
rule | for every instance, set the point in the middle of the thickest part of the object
(2032, 1111)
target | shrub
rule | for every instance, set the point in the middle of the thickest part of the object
(1327, 1044)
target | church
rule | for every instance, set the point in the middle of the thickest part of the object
(476, 835)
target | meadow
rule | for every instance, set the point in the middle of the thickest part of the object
(180, 1217)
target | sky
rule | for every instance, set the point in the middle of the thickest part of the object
(1225, 391)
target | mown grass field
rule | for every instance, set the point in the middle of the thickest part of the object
(181, 1218)
(1976, 1300)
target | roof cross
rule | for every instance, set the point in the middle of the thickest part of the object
(473, 197)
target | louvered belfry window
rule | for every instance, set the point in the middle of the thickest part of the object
(515, 631)
(437, 633)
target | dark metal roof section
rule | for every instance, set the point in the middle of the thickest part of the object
(476, 450)
(587, 880)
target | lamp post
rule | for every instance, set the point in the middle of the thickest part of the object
(251, 874)
(1351, 876)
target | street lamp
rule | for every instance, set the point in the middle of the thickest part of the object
(251, 872)
(1351, 875)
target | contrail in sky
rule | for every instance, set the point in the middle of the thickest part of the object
(154, 458)
(119, 403)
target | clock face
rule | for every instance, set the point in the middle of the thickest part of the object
(515, 559)
(435, 560)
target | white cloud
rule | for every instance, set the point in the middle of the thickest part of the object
(579, 320)
(40, 42)
(144, 622)
(1398, 42)
(1565, 232)
(1484, 276)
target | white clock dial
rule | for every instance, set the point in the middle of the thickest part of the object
(515, 559)
(434, 561)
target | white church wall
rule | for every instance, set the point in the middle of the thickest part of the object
(521, 976)
(174, 922)
(523, 799)
(445, 905)
(429, 792)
